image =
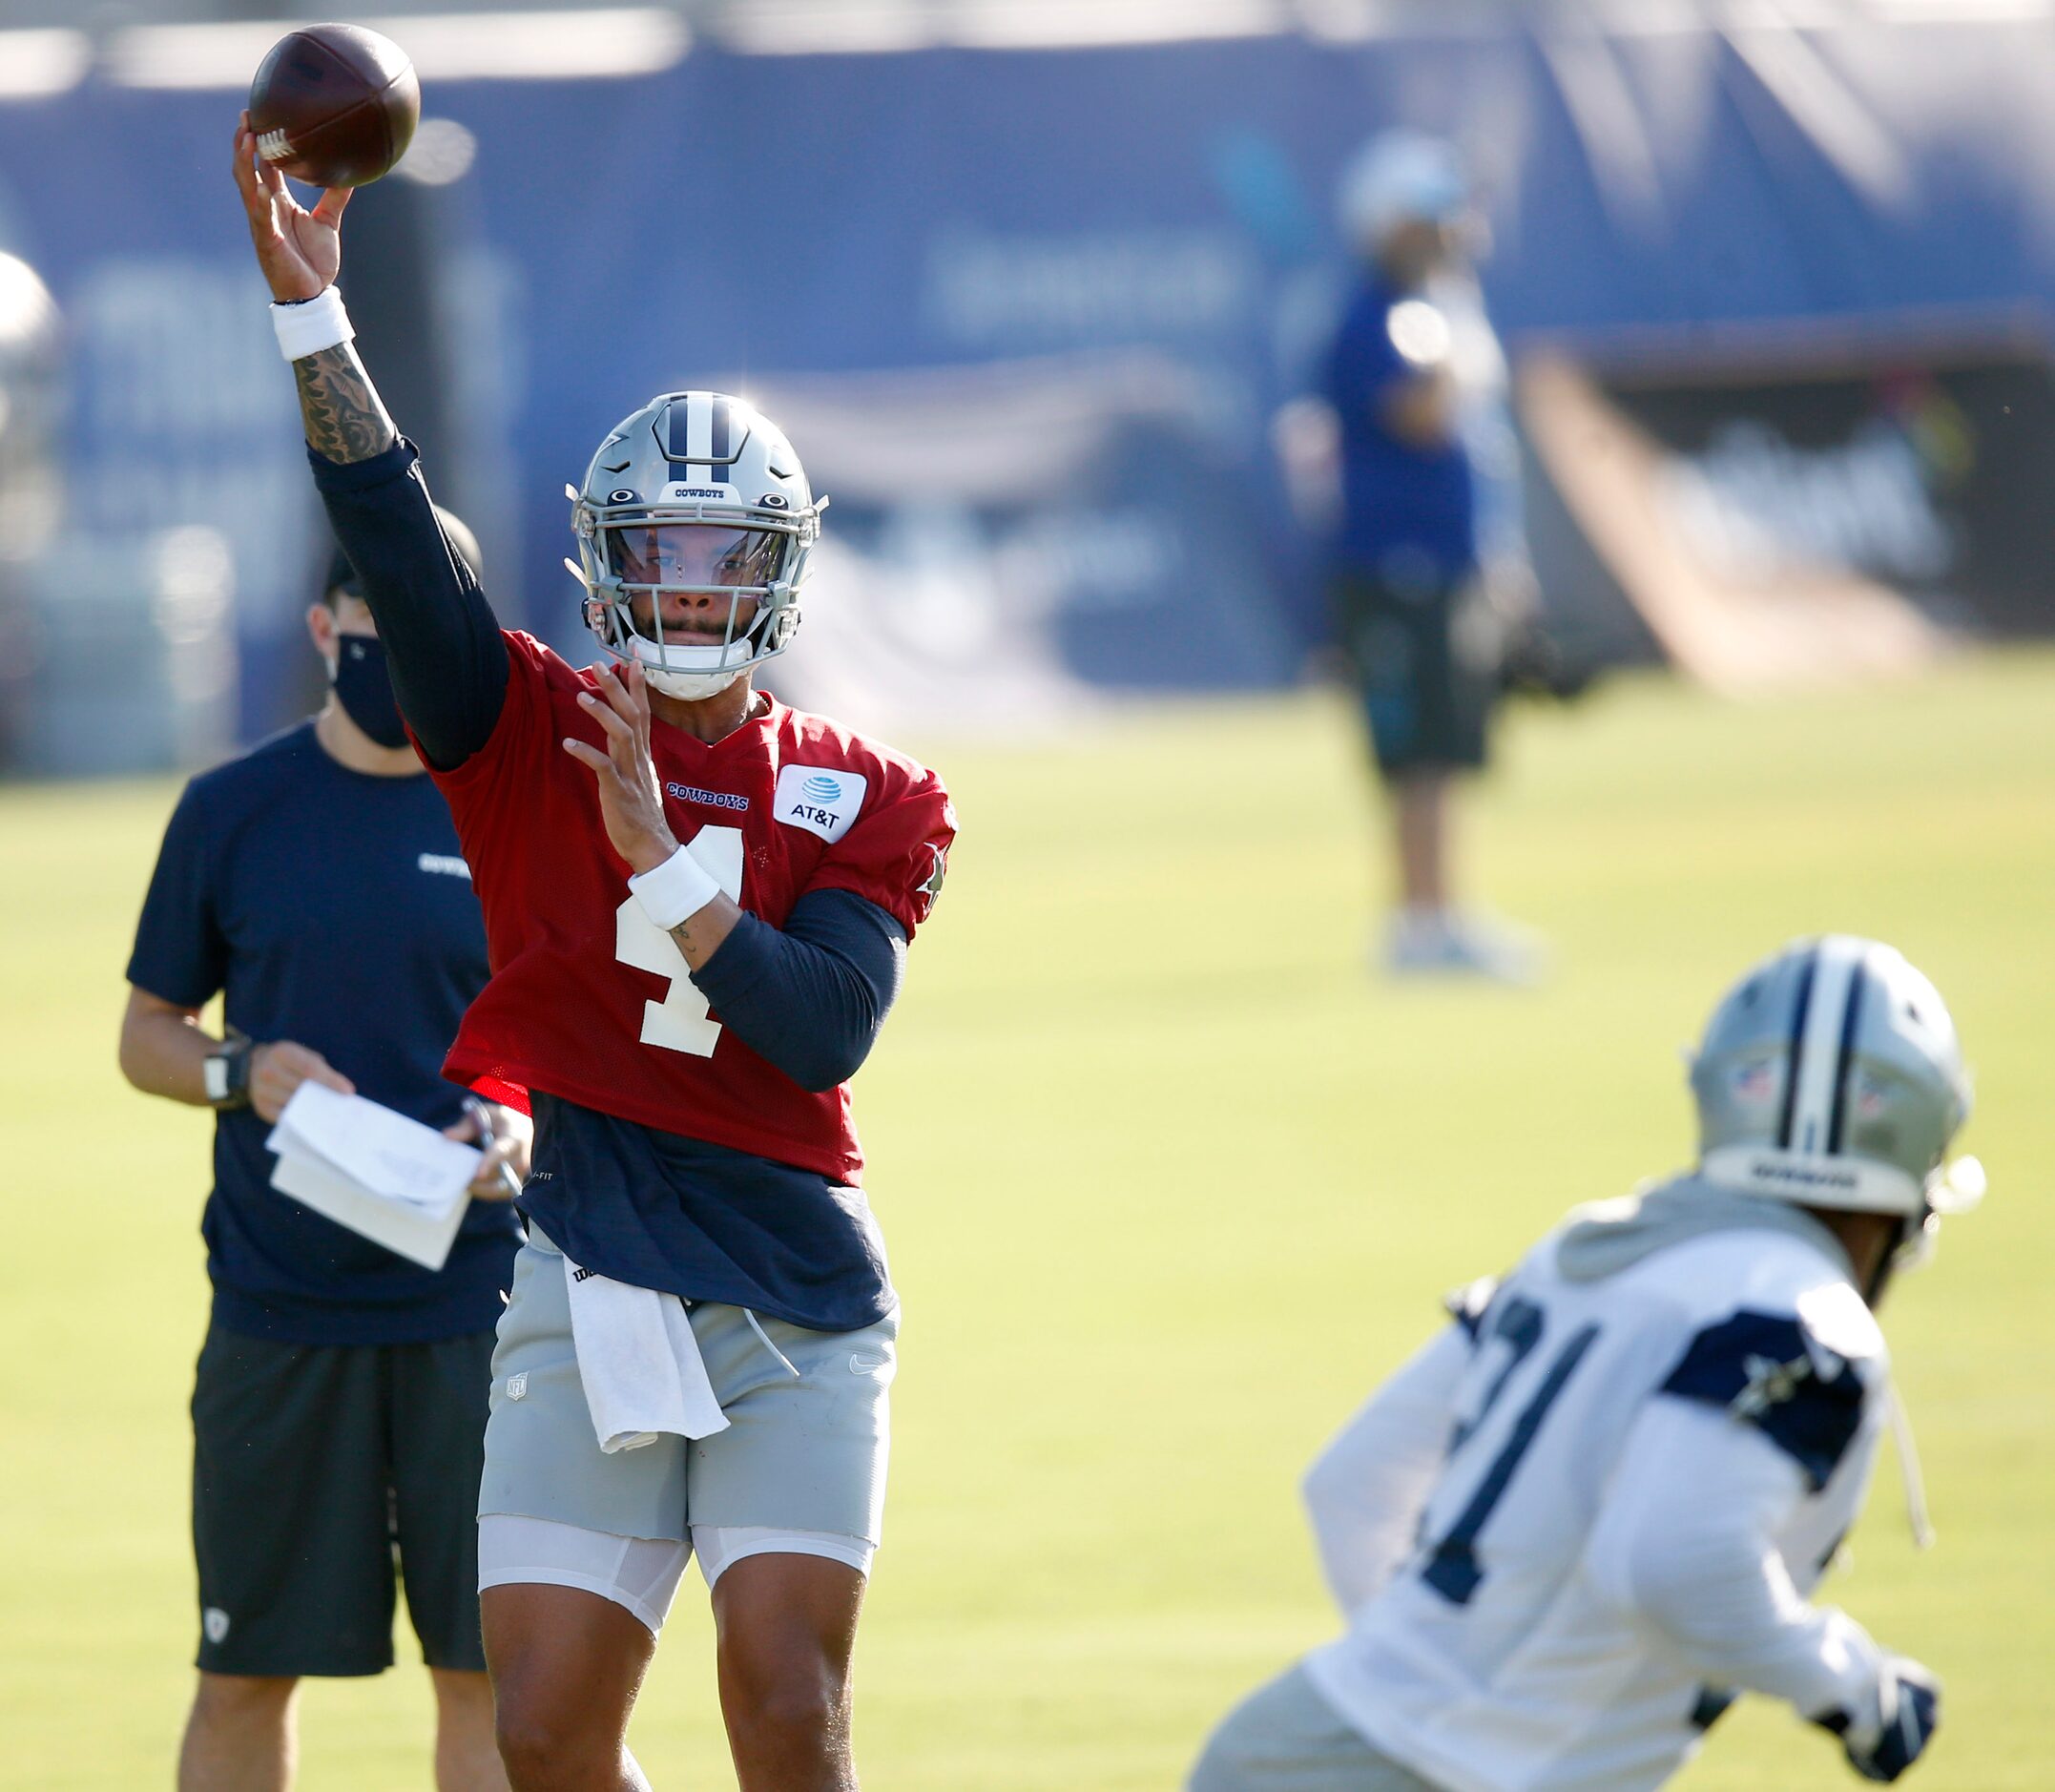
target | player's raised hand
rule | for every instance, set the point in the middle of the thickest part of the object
(630, 798)
(298, 251)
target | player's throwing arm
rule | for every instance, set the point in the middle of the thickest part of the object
(300, 254)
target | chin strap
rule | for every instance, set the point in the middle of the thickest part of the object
(691, 687)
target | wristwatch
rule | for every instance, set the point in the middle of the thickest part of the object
(227, 1071)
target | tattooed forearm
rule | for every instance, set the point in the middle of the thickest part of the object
(700, 935)
(345, 419)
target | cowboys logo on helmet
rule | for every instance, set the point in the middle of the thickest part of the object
(696, 497)
(1831, 1076)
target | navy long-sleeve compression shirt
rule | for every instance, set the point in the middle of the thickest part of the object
(810, 996)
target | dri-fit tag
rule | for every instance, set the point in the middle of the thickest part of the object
(820, 800)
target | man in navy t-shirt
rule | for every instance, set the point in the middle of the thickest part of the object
(338, 1408)
(1429, 527)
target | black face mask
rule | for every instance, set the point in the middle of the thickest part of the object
(363, 687)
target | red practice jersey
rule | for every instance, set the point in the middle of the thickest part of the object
(591, 1001)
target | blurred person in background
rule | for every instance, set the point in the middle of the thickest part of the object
(339, 1407)
(1591, 1512)
(1430, 576)
(31, 502)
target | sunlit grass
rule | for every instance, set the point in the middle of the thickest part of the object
(1170, 1178)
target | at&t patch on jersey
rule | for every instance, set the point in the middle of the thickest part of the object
(822, 800)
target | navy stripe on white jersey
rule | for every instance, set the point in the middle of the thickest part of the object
(1769, 1372)
(1492, 1654)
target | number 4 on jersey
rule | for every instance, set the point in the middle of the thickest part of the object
(680, 1022)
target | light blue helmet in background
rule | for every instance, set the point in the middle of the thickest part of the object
(1401, 176)
(1831, 1076)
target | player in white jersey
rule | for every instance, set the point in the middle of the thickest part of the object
(1591, 1512)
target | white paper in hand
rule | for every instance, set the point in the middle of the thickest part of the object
(396, 1181)
(383, 1150)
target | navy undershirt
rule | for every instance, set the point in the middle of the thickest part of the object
(656, 1209)
(1403, 505)
(334, 908)
(705, 1222)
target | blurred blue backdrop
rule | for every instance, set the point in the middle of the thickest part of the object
(865, 241)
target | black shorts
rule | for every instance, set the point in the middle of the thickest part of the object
(318, 1471)
(1427, 665)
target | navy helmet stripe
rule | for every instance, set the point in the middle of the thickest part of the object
(679, 448)
(1839, 970)
(677, 442)
(701, 437)
(1844, 1060)
(1793, 1058)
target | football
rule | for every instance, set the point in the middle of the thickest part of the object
(334, 105)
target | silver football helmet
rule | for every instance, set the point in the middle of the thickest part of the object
(698, 499)
(1831, 1076)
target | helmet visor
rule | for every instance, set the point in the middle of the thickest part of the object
(694, 556)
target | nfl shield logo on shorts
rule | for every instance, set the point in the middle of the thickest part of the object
(213, 1623)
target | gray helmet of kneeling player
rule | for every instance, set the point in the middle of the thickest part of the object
(696, 494)
(1831, 1076)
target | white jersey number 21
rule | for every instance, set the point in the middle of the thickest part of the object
(680, 1021)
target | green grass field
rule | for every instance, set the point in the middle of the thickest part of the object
(1170, 1181)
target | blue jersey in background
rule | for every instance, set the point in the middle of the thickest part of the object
(1408, 514)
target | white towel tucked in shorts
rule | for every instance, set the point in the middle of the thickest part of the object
(639, 1362)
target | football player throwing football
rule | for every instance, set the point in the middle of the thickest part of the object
(697, 903)
(1592, 1511)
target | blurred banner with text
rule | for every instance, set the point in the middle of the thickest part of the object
(1029, 315)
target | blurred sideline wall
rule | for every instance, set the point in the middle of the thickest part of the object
(1029, 312)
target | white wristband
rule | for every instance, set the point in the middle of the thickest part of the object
(675, 891)
(312, 326)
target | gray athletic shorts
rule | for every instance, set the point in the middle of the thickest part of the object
(808, 1426)
(1285, 1738)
